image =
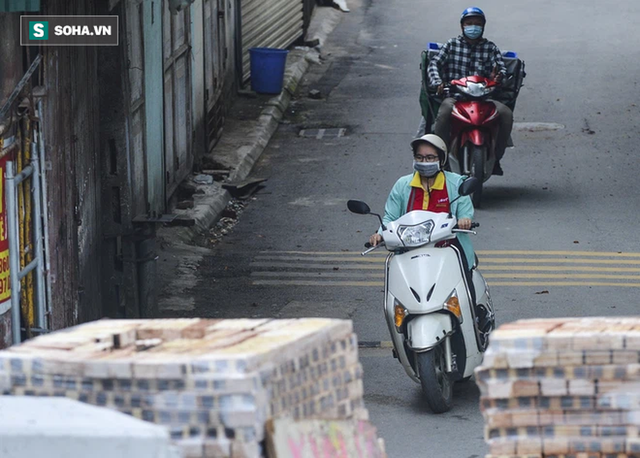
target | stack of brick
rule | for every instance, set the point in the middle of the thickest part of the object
(213, 383)
(563, 388)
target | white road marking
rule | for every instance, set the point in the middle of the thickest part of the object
(536, 126)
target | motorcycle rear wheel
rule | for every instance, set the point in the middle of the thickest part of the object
(478, 158)
(437, 387)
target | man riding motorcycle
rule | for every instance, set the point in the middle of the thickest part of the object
(470, 54)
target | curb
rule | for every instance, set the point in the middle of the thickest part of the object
(211, 200)
(271, 116)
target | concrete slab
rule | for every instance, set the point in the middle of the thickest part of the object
(33, 427)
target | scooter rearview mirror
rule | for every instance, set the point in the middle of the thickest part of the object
(359, 207)
(469, 186)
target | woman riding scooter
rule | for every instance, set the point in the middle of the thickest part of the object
(431, 188)
(438, 327)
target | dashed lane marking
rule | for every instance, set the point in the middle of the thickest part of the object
(482, 260)
(480, 252)
(484, 268)
(491, 283)
(500, 268)
(486, 275)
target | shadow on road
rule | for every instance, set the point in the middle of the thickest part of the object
(503, 197)
(466, 395)
(387, 387)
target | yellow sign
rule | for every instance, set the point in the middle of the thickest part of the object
(5, 283)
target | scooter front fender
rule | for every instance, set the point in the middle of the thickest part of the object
(475, 136)
(427, 331)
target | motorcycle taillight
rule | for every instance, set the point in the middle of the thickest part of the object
(443, 244)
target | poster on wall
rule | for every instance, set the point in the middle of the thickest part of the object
(5, 284)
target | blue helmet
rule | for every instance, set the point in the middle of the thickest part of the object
(474, 11)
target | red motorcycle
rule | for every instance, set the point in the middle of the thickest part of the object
(474, 128)
(475, 121)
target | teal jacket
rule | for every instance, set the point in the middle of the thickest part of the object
(398, 201)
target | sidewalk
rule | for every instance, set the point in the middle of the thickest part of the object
(250, 124)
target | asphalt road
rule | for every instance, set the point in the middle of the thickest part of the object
(552, 229)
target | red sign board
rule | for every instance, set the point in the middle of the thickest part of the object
(5, 285)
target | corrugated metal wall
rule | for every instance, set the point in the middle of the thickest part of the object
(269, 24)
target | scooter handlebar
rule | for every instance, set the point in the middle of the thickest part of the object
(371, 248)
(473, 226)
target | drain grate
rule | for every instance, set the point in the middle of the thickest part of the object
(333, 132)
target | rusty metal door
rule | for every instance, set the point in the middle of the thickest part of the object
(177, 97)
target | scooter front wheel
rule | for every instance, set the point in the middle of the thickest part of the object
(437, 387)
(477, 170)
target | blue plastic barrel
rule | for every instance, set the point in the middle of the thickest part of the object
(267, 69)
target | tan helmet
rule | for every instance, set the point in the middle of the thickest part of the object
(436, 142)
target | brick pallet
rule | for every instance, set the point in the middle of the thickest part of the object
(562, 388)
(213, 383)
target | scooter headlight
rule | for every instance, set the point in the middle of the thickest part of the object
(477, 89)
(417, 235)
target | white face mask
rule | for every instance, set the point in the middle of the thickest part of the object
(426, 169)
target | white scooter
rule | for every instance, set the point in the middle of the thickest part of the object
(437, 334)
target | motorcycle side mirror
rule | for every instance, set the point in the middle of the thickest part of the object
(469, 186)
(359, 207)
